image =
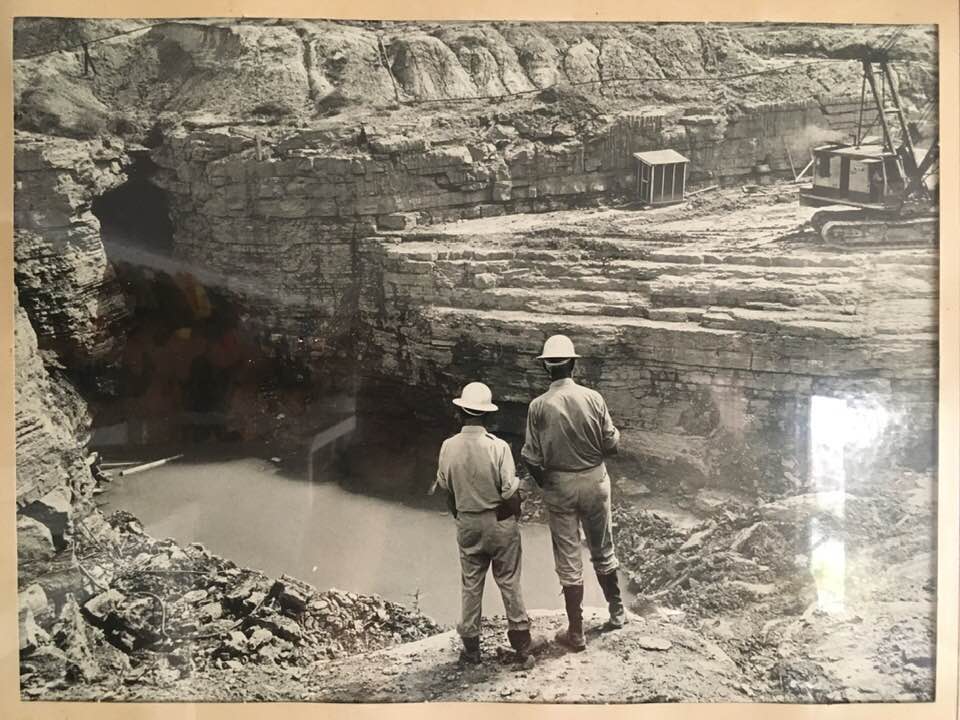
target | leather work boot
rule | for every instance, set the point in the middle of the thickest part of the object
(572, 638)
(471, 651)
(520, 641)
(611, 592)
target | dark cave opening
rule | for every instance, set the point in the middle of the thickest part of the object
(192, 370)
(135, 214)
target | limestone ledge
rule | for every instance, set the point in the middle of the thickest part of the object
(719, 352)
(66, 284)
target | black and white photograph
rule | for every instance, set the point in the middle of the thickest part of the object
(369, 361)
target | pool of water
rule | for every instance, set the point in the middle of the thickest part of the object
(252, 512)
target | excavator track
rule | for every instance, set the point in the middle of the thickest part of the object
(845, 228)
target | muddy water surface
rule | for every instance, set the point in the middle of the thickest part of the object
(251, 512)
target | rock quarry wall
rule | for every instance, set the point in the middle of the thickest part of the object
(299, 238)
(281, 179)
(52, 423)
(66, 284)
(279, 225)
(710, 361)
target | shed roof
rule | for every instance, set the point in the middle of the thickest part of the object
(660, 157)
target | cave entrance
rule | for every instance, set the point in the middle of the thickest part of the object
(135, 215)
(184, 354)
(195, 368)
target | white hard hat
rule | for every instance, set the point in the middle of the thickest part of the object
(558, 347)
(477, 397)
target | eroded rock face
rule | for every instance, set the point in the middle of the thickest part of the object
(214, 71)
(51, 423)
(65, 282)
(718, 365)
(276, 206)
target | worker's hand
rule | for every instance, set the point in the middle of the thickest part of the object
(538, 475)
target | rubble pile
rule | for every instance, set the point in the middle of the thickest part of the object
(800, 620)
(154, 613)
(726, 561)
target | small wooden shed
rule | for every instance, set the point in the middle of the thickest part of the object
(661, 176)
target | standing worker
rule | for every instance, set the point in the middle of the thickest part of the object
(569, 433)
(476, 469)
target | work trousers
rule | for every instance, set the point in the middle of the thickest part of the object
(486, 541)
(572, 500)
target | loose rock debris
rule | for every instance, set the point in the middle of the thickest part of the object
(158, 613)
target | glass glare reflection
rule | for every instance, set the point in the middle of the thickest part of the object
(836, 428)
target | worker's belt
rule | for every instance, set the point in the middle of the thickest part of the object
(559, 476)
(506, 509)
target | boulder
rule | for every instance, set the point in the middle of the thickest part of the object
(292, 594)
(100, 607)
(648, 642)
(34, 599)
(131, 623)
(98, 527)
(211, 611)
(696, 540)
(259, 637)
(34, 541)
(194, 596)
(138, 623)
(70, 635)
(708, 501)
(247, 595)
(32, 635)
(235, 645)
(279, 625)
(483, 281)
(55, 512)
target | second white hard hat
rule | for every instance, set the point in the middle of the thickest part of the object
(477, 397)
(558, 347)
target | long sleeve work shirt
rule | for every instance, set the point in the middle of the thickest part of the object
(478, 469)
(569, 429)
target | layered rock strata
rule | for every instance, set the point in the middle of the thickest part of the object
(709, 355)
(65, 281)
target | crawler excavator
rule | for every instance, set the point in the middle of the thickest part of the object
(876, 191)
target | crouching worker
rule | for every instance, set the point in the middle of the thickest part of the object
(477, 471)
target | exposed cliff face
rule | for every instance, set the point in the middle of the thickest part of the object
(711, 349)
(65, 282)
(280, 224)
(295, 161)
(276, 200)
(295, 71)
(51, 422)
